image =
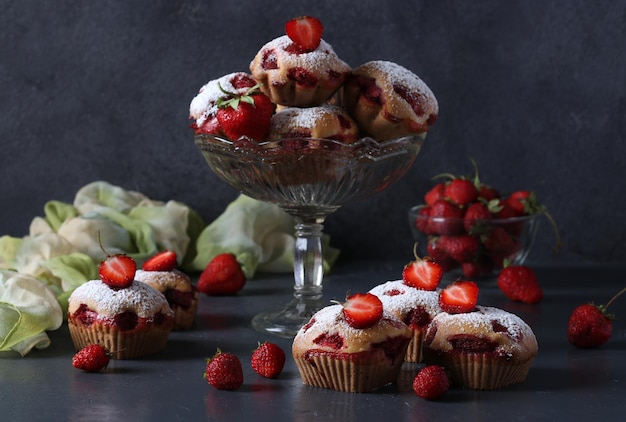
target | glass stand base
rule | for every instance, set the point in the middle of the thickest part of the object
(287, 321)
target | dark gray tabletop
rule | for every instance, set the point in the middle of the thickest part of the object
(564, 383)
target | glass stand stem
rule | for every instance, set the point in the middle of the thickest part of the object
(308, 276)
(308, 260)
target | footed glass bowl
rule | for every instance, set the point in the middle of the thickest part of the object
(309, 178)
(477, 251)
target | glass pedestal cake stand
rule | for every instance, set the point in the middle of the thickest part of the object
(309, 179)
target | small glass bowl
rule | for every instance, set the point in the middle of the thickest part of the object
(477, 251)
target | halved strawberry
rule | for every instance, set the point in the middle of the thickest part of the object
(423, 273)
(162, 261)
(459, 297)
(362, 310)
(305, 31)
(117, 271)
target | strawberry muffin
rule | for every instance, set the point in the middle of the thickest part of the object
(353, 347)
(388, 101)
(204, 106)
(128, 318)
(181, 294)
(299, 69)
(323, 122)
(484, 349)
(414, 306)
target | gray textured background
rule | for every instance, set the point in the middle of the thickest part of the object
(534, 91)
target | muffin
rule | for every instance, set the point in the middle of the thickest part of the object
(415, 307)
(324, 122)
(129, 322)
(486, 349)
(181, 294)
(203, 107)
(388, 101)
(296, 78)
(330, 353)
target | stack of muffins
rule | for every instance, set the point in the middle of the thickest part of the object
(318, 95)
(484, 348)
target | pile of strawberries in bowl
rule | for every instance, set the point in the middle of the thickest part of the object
(470, 226)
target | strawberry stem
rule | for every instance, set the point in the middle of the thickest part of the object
(233, 99)
(615, 297)
(476, 180)
(417, 257)
(533, 206)
(101, 245)
(557, 246)
(446, 175)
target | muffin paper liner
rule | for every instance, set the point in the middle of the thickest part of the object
(414, 351)
(144, 341)
(349, 376)
(482, 372)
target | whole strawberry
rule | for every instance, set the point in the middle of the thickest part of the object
(431, 382)
(445, 218)
(224, 371)
(268, 360)
(435, 193)
(247, 115)
(477, 216)
(91, 358)
(461, 248)
(460, 191)
(590, 325)
(222, 276)
(520, 283)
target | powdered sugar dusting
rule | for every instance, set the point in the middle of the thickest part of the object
(306, 117)
(518, 337)
(330, 320)
(400, 75)
(400, 299)
(163, 280)
(318, 61)
(484, 315)
(140, 298)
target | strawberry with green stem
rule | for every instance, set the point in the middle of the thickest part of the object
(591, 325)
(91, 358)
(520, 283)
(245, 115)
(268, 360)
(224, 371)
(461, 190)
